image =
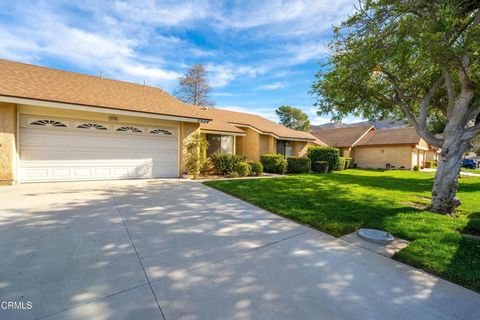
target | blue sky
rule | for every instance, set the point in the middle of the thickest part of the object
(260, 54)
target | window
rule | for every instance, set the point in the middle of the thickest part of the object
(129, 129)
(219, 144)
(48, 123)
(94, 126)
(285, 148)
(161, 131)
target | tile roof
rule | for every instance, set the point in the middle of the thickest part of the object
(390, 136)
(342, 137)
(22, 80)
(28, 81)
(225, 119)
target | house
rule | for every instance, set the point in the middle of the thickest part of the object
(64, 126)
(252, 135)
(400, 148)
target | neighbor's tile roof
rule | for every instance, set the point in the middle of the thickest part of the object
(225, 119)
(342, 137)
(390, 136)
(34, 82)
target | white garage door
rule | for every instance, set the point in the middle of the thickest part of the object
(63, 150)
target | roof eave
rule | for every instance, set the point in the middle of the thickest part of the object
(100, 109)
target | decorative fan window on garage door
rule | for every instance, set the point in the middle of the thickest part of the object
(48, 123)
(92, 126)
(164, 132)
(129, 129)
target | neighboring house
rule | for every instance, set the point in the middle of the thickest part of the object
(400, 148)
(61, 126)
(252, 135)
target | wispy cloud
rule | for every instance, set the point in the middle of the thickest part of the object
(243, 43)
(273, 86)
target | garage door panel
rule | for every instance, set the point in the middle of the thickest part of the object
(78, 154)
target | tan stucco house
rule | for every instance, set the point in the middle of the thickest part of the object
(400, 148)
(63, 126)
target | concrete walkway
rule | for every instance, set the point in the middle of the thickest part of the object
(462, 173)
(173, 249)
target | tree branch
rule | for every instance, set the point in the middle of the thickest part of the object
(471, 133)
(450, 93)
(423, 114)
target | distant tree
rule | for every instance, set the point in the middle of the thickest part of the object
(293, 118)
(416, 60)
(193, 87)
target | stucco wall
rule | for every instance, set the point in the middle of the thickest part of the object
(8, 150)
(250, 145)
(378, 157)
(264, 144)
(74, 114)
(300, 148)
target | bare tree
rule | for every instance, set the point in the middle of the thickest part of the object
(193, 87)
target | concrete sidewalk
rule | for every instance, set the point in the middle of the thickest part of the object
(175, 249)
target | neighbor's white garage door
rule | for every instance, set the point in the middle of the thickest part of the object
(65, 149)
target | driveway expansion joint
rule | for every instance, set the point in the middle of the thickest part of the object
(136, 251)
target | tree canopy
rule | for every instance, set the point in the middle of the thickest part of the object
(193, 87)
(293, 118)
(410, 59)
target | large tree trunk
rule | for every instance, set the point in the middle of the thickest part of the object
(445, 187)
(444, 199)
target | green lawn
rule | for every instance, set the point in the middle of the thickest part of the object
(342, 202)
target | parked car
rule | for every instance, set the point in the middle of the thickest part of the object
(469, 164)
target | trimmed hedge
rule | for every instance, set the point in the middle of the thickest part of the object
(224, 163)
(329, 154)
(242, 168)
(256, 168)
(299, 165)
(429, 164)
(348, 163)
(320, 166)
(273, 163)
(416, 168)
(341, 164)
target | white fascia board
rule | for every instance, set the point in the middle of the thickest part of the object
(68, 106)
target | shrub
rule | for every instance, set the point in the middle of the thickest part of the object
(341, 164)
(273, 163)
(224, 163)
(352, 164)
(348, 163)
(282, 167)
(329, 154)
(416, 168)
(320, 166)
(242, 168)
(233, 174)
(299, 165)
(195, 154)
(256, 168)
(428, 164)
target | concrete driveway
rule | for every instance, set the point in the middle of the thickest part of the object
(170, 249)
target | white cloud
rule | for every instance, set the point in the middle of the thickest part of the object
(273, 86)
(222, 74)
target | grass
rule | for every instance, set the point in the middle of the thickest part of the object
(342, 202)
